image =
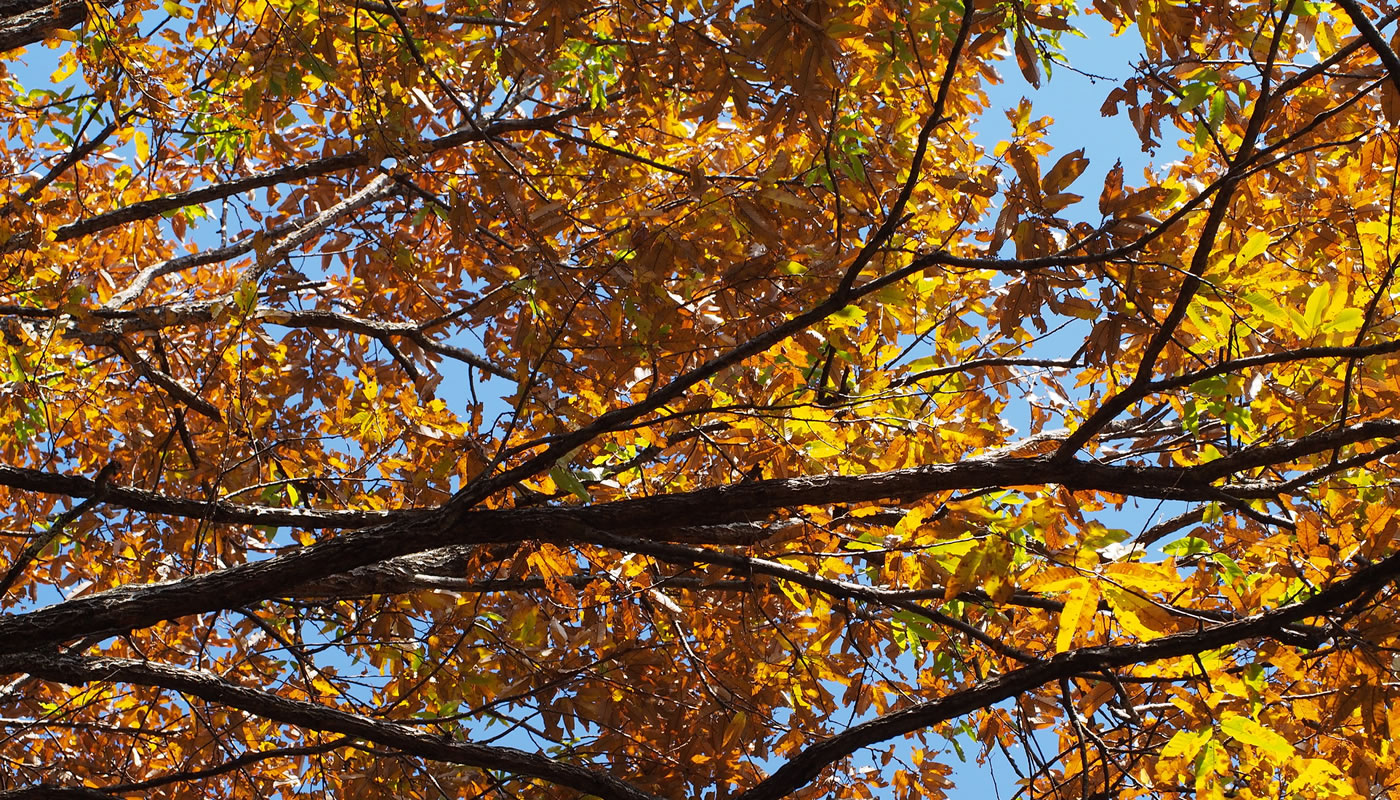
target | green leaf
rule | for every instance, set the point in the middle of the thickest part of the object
(1228, 564)
(1202, 136)
(323, 70)
(1186, 547)
(566, 480)
(1217, 110)
(916, 627)
(1205, 763)
(1193, 94)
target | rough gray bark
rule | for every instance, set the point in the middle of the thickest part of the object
(26, 22)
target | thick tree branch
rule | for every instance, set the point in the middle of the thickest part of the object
(807, 765)
(1237, 365)
(74, 670)
(46, 791)
(55, 529)
(1374, 40)
(791, 776)
(116, 322)
(1284, 452)
(216, 511)
(704, 507)
(26, 22)
(135, 607)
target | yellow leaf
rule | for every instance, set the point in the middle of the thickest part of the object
(1247, 731)
(1077, 615)
(848, 317)
(1319, 774)
(323, 687)
(1140, 617)
(735, 727)
(1256, 244)
(1185, 744)
(143, 146)
(1056, 579)
(1145, 578)
(973, 565)
(909, 524)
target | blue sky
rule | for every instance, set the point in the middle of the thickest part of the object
(1073, 99)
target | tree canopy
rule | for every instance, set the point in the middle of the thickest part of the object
(639, 400)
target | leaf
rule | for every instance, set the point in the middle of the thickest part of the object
(1027, 59)
(788, 199)
(1390, 102)
(1139, 616)
(1257, 243)
(908, 526)
(1232, 570)
(1184, 744)
(1317, 304)
(986, 562)
(848, 317)
(1267, 308)
(1344, 321)
(1057, 202)
(1138, 202)
(565, 479)
(143, 146)
(1112, 190)
(1057, 579)
(1027, 169)
(1065, 172)
(1077, 616)
(1212, 760)
(1247, 731)
(1318, 774)
(1147, 578)
(735, 729)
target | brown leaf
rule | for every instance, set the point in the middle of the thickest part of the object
(1390, 102)
(1112, 190)
(1027, 58)
(1065, 172)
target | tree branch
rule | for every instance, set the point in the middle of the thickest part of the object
(26, 22)
(75, 670)
(361, 157)
(807, 765)
(135, 607)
